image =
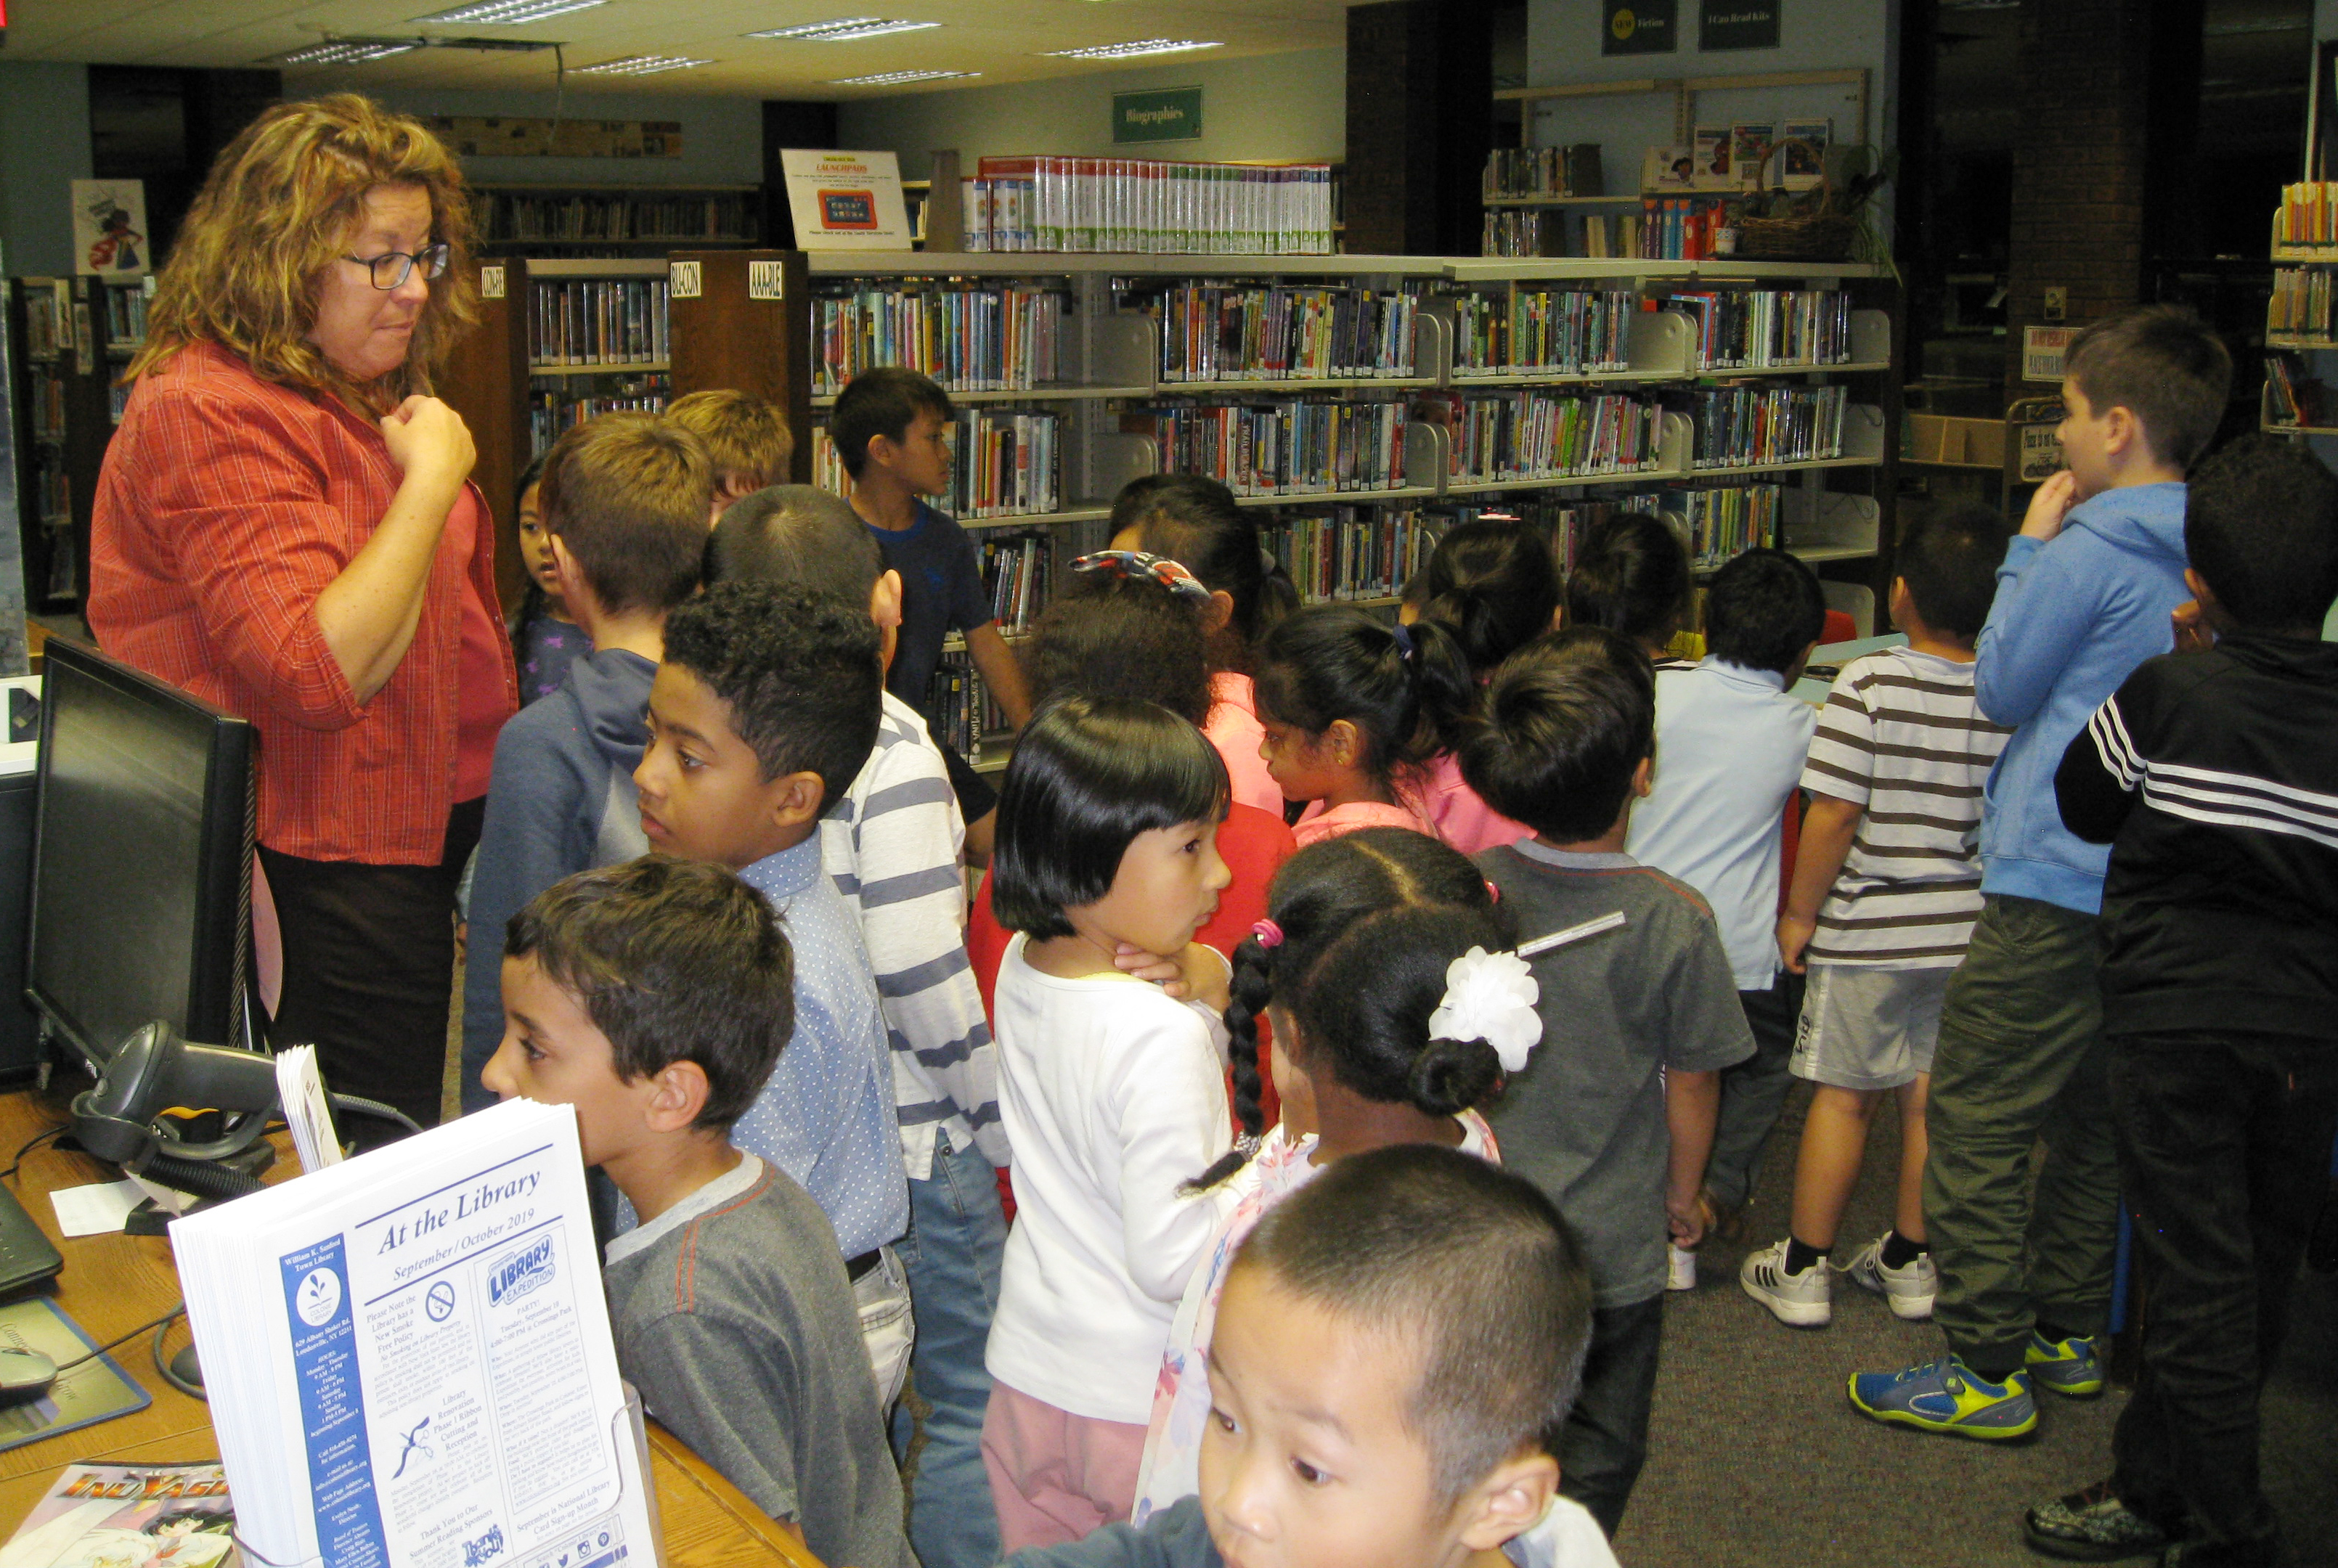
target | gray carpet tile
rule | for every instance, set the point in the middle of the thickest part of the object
(1756, 1458)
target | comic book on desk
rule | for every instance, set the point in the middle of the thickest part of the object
(409, 1358)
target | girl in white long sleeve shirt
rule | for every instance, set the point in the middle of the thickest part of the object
(1112, 1094)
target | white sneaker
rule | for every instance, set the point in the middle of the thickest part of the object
(1804, 1300)
(1910, 1289)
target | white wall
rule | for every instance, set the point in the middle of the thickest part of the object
(722, 138)
(43, 144)
(1262, 106)
(1563, 45)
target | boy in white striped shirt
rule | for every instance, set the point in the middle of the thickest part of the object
(1886, 886)
(892, 845)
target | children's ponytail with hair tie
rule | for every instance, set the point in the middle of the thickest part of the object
(1268, 934)
(1406, 646)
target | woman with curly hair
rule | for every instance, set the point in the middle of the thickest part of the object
(285, 526)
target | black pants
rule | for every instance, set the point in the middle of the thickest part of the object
(2224, 1150)
(370, 972)
(1605, 1439)
(1753, 1092)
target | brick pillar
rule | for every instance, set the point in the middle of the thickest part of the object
(2079, 166)
(1420, 116)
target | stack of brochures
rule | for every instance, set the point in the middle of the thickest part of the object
(409, 1357)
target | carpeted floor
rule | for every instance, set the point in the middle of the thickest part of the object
(1758, 1460)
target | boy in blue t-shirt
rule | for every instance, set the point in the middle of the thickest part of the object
(891, 430)
(2083, 597)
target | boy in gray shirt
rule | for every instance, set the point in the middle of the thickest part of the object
(1613, 1116)
(653, 997)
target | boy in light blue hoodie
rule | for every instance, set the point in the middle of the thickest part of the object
(2084, 596)
(624, 499)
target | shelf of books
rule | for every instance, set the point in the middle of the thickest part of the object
(558, 340)
(615, 218)
(64, 361)
(2302, 315)
(1362, 403)
(597, 341)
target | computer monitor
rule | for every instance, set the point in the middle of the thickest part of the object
(142, 859)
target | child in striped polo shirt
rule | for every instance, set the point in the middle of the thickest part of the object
(1886, 885)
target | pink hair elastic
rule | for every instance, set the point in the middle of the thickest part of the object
(1493, 892)
(1268, 933)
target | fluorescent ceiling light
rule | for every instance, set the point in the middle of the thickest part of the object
(508, 13)
(640, 65)
(348, 51)
(1125, 51)
(844, 30)
(888, 78)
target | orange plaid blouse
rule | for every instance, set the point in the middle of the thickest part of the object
(225, 506)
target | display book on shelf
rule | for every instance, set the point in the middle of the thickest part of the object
(1375, 400)
(2300, 316)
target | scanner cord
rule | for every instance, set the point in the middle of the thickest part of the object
(374, 1108)
(165, 1321)
(194, 1390)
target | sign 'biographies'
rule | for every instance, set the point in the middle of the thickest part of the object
(1160, 114)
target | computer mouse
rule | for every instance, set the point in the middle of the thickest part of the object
(25, 1375)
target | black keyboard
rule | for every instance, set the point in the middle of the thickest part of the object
(26, 1256)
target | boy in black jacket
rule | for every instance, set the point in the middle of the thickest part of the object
(2212, 772)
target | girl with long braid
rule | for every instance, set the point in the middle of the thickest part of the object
(1396, 1009)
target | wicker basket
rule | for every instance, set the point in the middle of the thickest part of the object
(1822, 233)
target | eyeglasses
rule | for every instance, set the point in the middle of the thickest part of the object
(390, 267)
(1131, 564)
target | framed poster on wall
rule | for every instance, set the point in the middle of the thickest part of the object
(109, 228)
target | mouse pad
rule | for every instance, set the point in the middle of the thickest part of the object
(97, 1390)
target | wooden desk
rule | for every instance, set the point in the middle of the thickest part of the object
(111, 1284)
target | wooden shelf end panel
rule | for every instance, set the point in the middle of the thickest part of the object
(747, 330)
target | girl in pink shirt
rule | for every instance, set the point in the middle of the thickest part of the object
(1354, 709)
(1194, 522)
(1494, 585)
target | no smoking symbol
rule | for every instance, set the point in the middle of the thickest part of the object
(438, 1301)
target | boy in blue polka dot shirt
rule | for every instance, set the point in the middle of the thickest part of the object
(763, 711)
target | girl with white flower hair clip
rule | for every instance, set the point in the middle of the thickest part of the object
(1397, 1009)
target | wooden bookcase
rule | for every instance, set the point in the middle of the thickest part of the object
(502, 376)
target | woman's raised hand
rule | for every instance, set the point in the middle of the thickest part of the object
(427, 440)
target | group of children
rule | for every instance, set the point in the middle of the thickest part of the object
(1363, 1009)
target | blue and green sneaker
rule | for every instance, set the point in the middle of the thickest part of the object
(2072, 1368)
(1945, 1396)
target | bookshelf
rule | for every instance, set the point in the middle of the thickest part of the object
(647, 221)
(1095, 365)
(1518, 220)
(2301, 317)
(62, 365)
(558, 340)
